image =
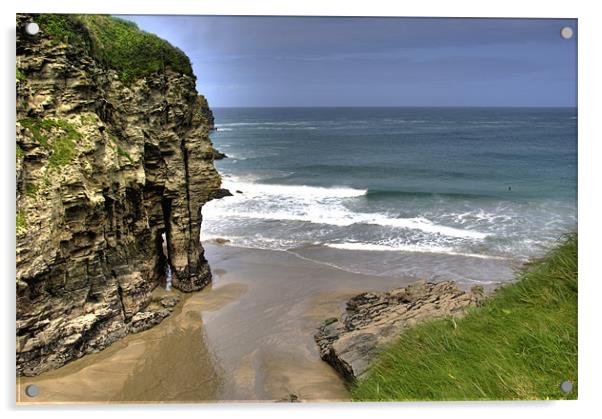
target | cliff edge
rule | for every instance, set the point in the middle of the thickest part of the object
(113, 158)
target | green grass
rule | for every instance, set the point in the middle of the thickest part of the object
(21, 225)
(521, 344)
(63, 149)
(117, 148)
(20, 76)
(88, 119)
(117, 43)
(123, 153)
(55, 135)
(63, 29)
(31, 189)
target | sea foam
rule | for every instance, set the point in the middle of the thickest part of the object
(299, 191)
(317, 205)
(373, 247)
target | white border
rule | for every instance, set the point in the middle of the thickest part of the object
(590, 164)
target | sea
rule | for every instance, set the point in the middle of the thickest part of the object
(467, 194)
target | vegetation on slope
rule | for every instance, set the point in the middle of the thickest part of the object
(55, 135)
(20, 76)
(20, 223)
(520, 345)
(117, 43)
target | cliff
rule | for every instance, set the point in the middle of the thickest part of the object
(113, 154)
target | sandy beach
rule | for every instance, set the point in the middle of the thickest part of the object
(246, 337)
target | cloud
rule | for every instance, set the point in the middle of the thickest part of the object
(272, 59)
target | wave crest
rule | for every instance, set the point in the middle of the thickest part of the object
(299, 191)
(313, 204)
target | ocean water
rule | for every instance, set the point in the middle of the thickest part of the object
(459, 193)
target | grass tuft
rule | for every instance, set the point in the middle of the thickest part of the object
(20, 75)
(63, 149)
(87, 119)
(31, 189)
(55, 135)
(520, 345)
(117, 148)
(123, 153)
(21, 225)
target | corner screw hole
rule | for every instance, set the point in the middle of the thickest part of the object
(32, 28)
(566, 32)
(566, 386)
(32, 390)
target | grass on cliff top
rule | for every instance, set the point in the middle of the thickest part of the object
(118, 43)
(520, 345)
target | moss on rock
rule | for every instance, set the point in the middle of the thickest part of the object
(55, 135)
(21, 225)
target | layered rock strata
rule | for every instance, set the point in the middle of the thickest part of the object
(104, 170)
(372, 320)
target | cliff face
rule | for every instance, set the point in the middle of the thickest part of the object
(106, 165)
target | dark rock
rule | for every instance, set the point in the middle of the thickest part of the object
(220, 240)
(292, 398)
(144, 320)
(88, 247)
(220, 193)
(372, 320)
(206, 112)
(330, 321)
(169, 301)
(218, 155)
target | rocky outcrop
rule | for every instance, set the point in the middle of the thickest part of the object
(372, 320)
(206, 111)
(106, 165)
(153, 314)
(218, 155)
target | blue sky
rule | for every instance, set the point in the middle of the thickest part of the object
(324, 61)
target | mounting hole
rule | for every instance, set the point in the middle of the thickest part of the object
(32, 28)
(566, 32)
(32, 390)
(566, 386)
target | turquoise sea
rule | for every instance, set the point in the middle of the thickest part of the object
(459, 193)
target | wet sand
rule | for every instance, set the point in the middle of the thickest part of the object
(246, 337)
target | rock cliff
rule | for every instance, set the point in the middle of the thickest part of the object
(372, 320)
(113, 154)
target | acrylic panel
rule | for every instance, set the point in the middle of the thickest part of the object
(295, 209)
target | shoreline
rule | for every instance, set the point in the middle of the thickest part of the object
(248, 336)
(329, 257)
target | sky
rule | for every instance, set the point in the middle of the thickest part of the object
(244, 61)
